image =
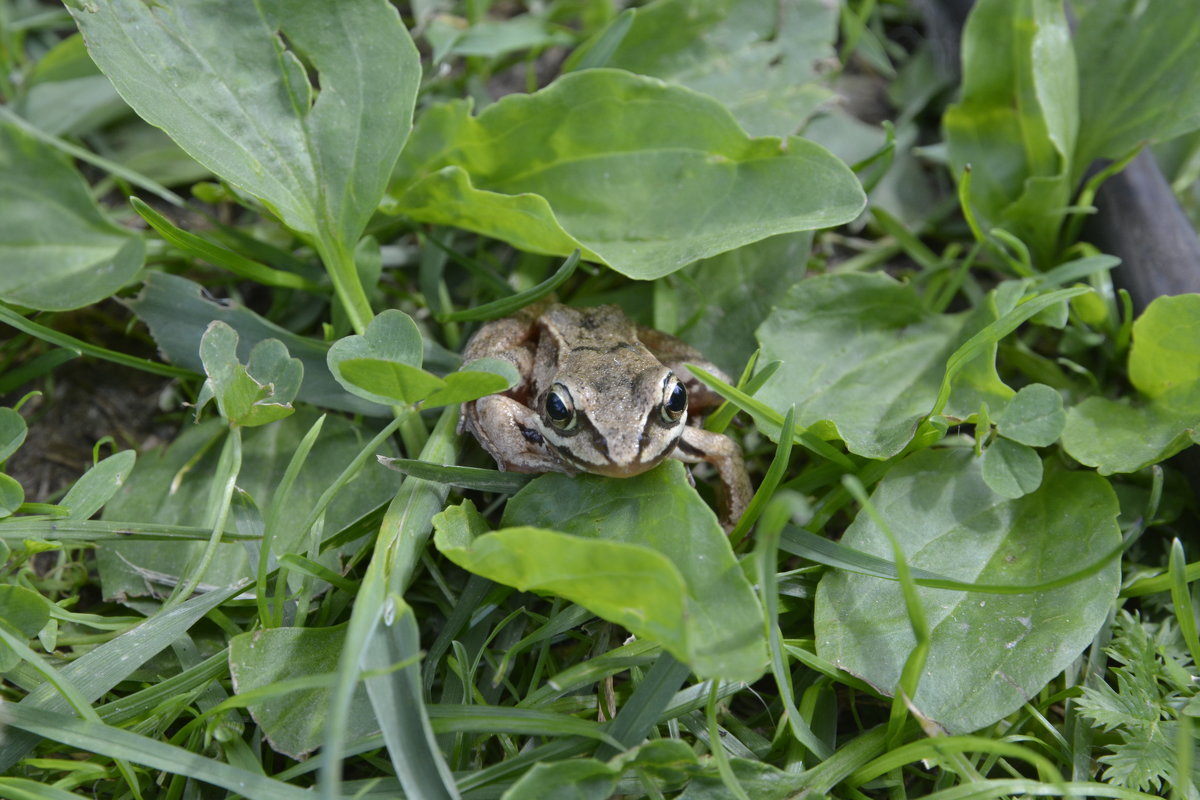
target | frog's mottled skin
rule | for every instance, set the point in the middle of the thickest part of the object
(598, 394)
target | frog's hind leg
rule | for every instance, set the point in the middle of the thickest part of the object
(512, 437)
(696, 445)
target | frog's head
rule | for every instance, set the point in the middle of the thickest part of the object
(616, 412)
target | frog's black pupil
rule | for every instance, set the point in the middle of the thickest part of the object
(556, 408)
(677, 401)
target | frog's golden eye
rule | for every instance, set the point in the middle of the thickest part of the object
(674, 399)
(560, 409)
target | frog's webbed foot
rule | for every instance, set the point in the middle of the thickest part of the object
(696, 445)
(511, 436)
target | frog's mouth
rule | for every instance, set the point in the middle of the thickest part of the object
(600, 462)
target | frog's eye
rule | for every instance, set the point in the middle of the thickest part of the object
(560, 409)
(674, 399)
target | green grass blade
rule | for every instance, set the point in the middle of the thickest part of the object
(939, 748)
(766, 558)
(17, 529)
(399, 707)
(1181, 597)
(220, 256)
(645, 706)
(24, 789)
(473, 478)
(806, 544)
(451, 718)
(10, 317)
(98, 670)
(87, 156)
(68, 692)
(513, 303)
(993, 333)
(760, 410)
(717, 749)
(770, 481)
(402, 537)
(96, 737)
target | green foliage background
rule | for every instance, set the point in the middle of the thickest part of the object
(964, 572)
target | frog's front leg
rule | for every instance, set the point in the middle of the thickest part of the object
(696, 445)
(508, 430)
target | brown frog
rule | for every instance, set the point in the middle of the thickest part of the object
(598, 394)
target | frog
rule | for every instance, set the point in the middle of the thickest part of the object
(600, 394)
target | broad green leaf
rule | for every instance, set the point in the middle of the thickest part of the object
(384, 366)
(1152, 91)
(12, 432)
(98, 485)
(57, 250)
(479, 378)
(948, 521)
(257, 393)
(628, 584)
(1122, 436)
(1017, 112)
(1165, 354)
(229, 83)
(491, 38)
(762, 60)
(163, 488)
(1127, 434)
(1055, 79)
(384, 381)
(64, 93)
(178, 313)
(293, 721)
(721, 300)
(12, 494)
(621, 167)
(668, 573)
(1034, 416)
(23, 612)
(1011, 469)
(863, 360)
